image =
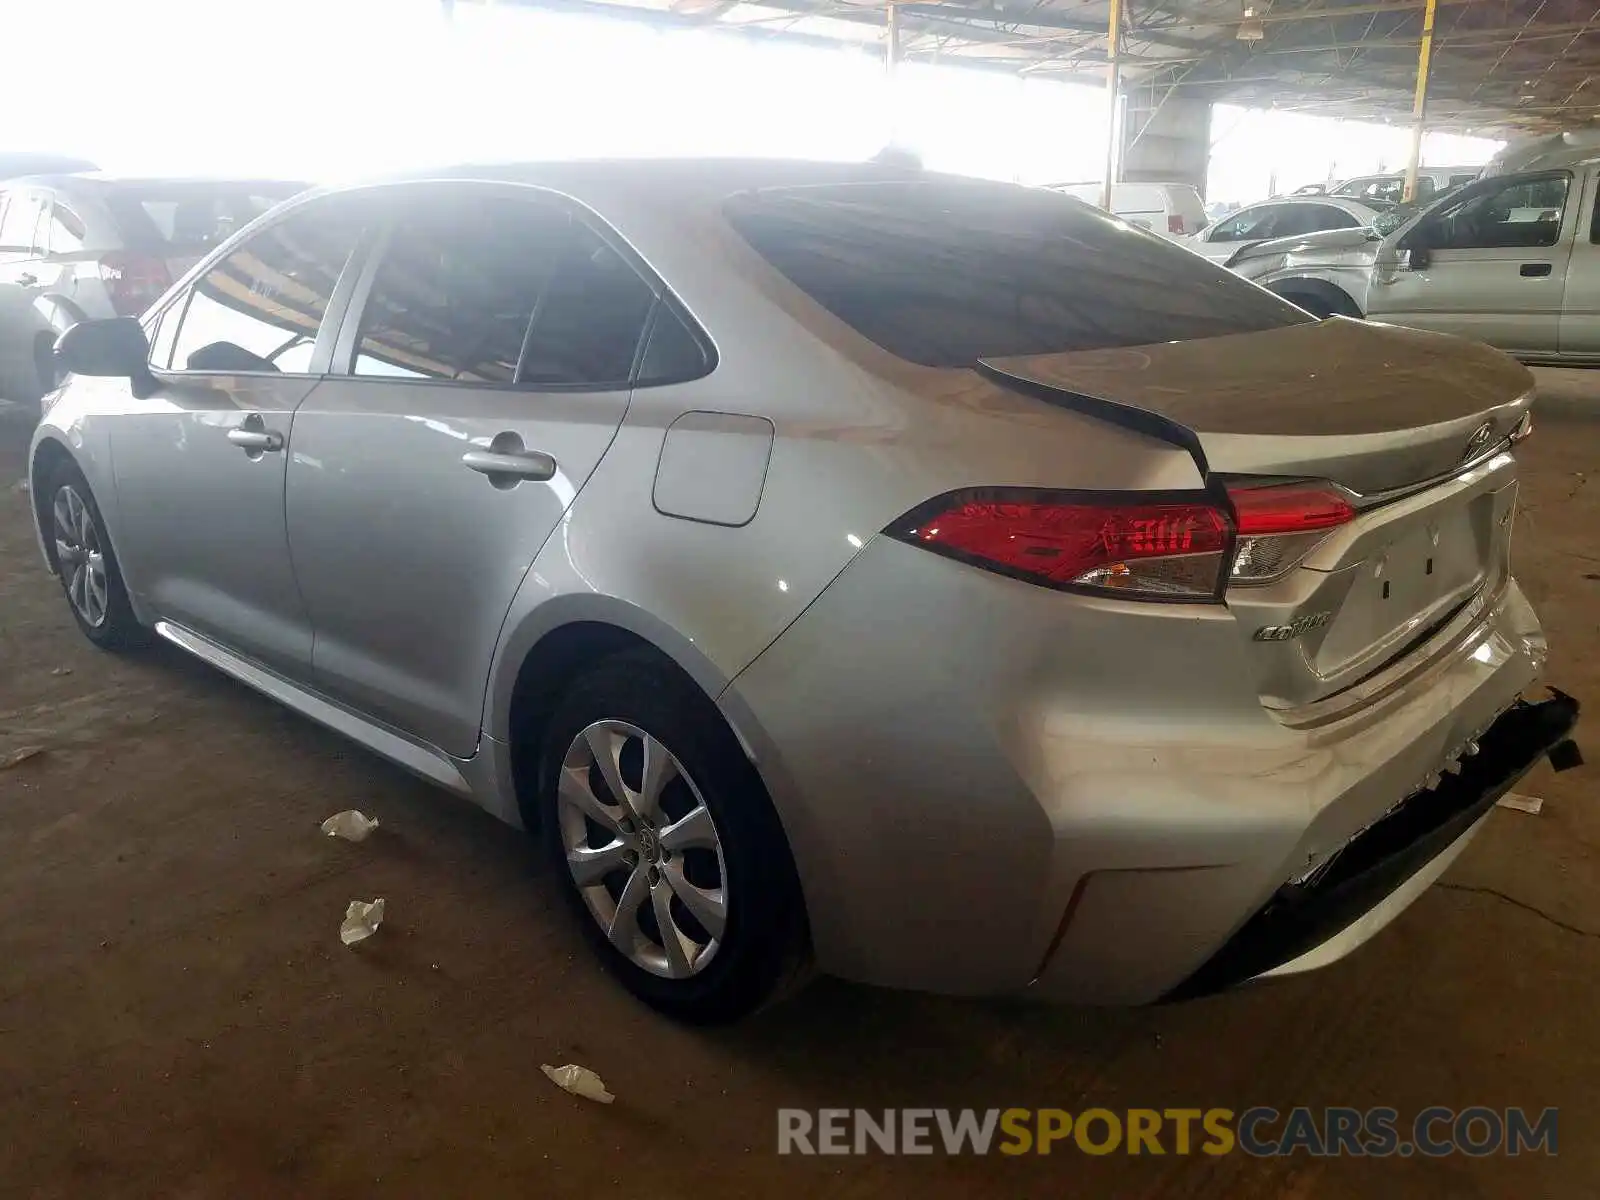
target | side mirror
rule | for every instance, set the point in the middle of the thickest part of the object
(115, 347)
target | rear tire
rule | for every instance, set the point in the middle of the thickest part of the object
(684, 884)
(80, 551)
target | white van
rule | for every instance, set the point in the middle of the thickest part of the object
(1170, 209)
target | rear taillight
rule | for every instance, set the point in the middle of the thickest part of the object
(1175, 224)
(1188, 549)
(1278, 524)
(1167, 551)
(134, 281)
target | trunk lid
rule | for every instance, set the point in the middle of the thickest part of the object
(1407, 422)
(1371, 407)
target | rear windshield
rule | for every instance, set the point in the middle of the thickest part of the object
(189, 218)
(945, 272)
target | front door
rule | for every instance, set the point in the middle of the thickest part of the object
(1489, 263)
(487, 360)
(200, 463)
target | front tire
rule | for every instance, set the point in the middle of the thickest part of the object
(666, 844)
(85, 563)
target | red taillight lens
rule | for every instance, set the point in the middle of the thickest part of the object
(1170, 551)
(1279, 524)
(1288, 508)
(1175, 223)
(134, 281)
(1187, 549)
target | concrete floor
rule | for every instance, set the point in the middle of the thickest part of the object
(178, 1018)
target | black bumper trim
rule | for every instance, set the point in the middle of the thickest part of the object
(1388, 852)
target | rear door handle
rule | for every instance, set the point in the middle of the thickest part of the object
(1535, 270)
(520, 464)
(256, 439)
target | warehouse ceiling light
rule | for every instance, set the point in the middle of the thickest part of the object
(1252, 28)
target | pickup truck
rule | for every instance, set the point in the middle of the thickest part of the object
(1511, 260)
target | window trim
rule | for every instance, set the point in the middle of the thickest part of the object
(332, 315)
(348, 341)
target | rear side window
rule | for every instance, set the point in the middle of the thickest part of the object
(259, 309)
(946, 272)
(590, 320)
(673, 354)
(456, 289)
(67, 230)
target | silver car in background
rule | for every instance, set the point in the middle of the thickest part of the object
(81, 246)
(1512, 260)
(930, 579)
(1287, 216)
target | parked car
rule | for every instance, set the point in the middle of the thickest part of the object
(1508, 260)
(1170, 209)
(919, 575)
(77, 246)
(27, 162)
(1431, 182)
(1284, 217)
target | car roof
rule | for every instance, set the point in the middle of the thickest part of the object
(695, 181)
(85, 181)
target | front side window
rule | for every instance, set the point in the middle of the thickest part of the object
(947, 272)
(1521, 212)
(520, 292)
(259, 309)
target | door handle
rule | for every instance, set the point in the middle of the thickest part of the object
(27, 280)
(520, 464)
(1535, 270)
(256, 439)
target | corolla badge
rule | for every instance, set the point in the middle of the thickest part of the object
(1477, 440)
(1300, 625)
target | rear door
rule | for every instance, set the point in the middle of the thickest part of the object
(1489, 263)
(200, 462)
(481, 374)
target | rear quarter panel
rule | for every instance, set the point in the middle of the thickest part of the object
(860, 437)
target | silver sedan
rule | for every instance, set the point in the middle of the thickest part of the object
(1287, 216)
(934, 581)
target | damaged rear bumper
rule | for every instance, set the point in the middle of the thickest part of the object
(1383, 868)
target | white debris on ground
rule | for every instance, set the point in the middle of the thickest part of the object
(1527, 804)
(361, 921)
(580, 1081)
(352, 825)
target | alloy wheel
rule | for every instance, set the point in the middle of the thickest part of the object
(80, 556)
(643, 849)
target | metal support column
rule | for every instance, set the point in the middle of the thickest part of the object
(891, 69)
(1419, 107)
(1113, 98)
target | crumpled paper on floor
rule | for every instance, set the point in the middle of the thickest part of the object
(361, 921)
(352, 825)
(580, 1081)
